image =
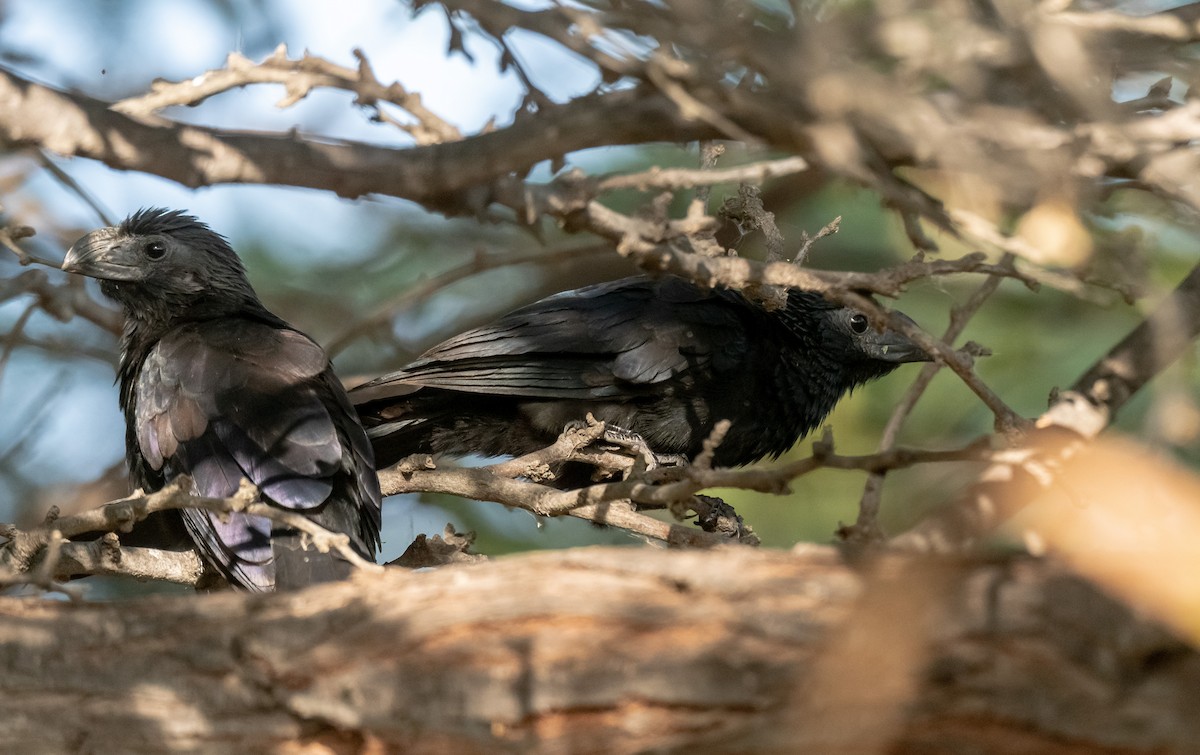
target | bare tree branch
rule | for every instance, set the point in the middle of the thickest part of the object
(300, 77)
(107, 557)
(675, 179)
(519, 482)
(23, 547)
(76, 125)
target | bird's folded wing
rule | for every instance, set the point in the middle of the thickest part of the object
(579, 345)
(240, 400)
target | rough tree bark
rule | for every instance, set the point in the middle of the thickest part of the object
(609, 650)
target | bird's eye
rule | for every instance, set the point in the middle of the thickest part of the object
(156, 250)
(859, 323)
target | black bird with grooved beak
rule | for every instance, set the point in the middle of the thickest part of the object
(216, 387)
(660, 357)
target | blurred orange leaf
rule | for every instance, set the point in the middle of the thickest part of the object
(1128, 519)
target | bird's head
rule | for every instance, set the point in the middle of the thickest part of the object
(845, 338)
(887, 347)
(163, 257)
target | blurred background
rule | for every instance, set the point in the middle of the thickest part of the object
(325, 263)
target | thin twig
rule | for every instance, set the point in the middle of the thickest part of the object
(11, 235)
(12, 337)
(807, 242)
(710, 152)
(67, 180)
(692, 108)
(674, 179)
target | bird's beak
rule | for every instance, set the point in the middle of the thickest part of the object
(893, 346)
(101, 255)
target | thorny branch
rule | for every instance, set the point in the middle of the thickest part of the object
(445, 177)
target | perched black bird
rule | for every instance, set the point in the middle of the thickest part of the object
(660, 357)
(216, 387)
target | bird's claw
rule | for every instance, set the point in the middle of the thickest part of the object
(635, 445)
(721, 518)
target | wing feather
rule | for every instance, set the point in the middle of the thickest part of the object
(604, 341)
(251, 390)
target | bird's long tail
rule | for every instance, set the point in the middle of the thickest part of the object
(298, 563)
(394, 440)
(253, 555)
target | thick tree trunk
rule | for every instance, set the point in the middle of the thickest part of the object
(608, 650)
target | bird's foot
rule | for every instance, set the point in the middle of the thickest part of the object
(629, 443)
(714, 515)
(636, 446)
